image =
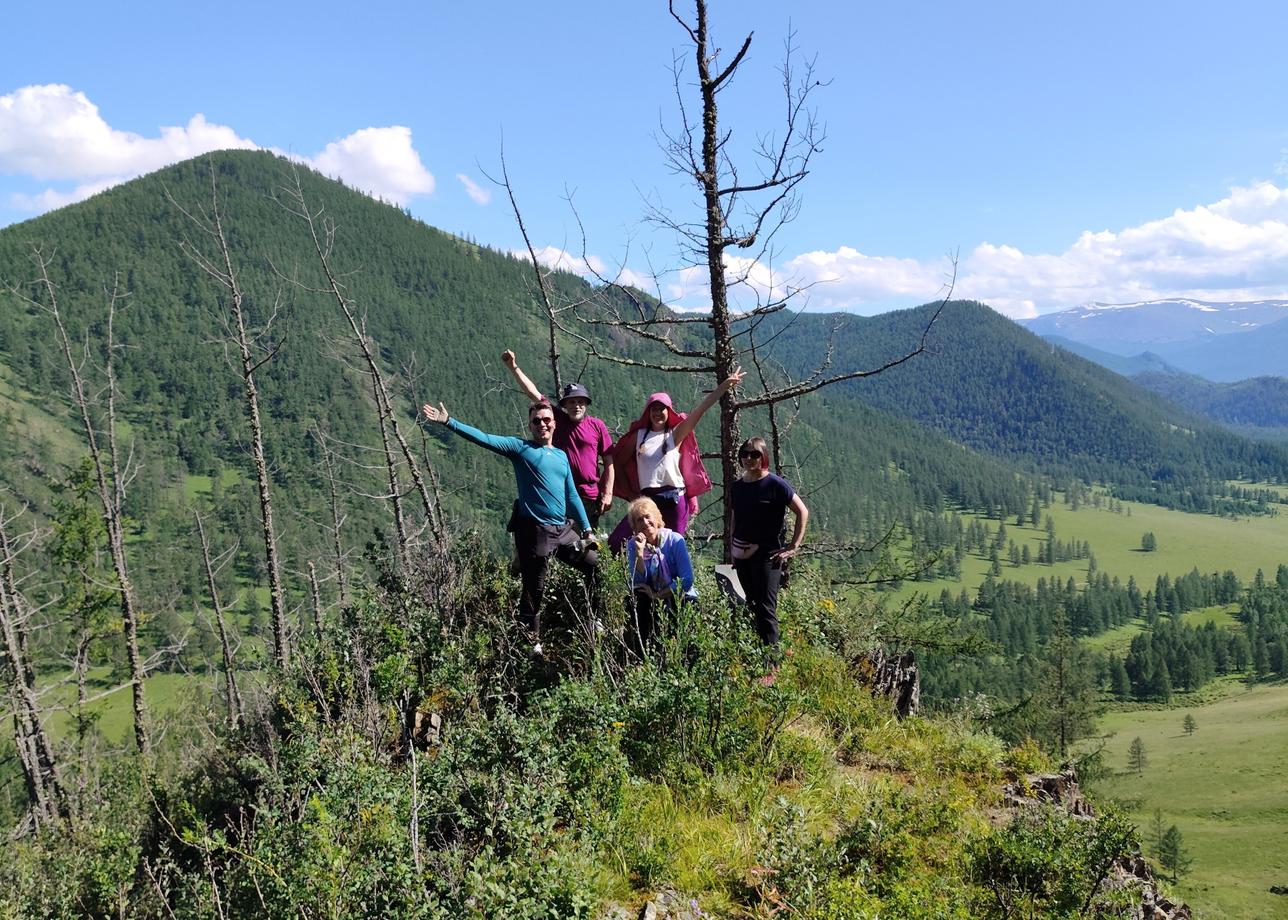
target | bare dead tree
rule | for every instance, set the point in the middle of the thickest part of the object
(553, 311)
(111, 476)
(337, 520)
(316, 596)
(322, 234)
(47, 801)
(740, 210)
(219, 267)
(411, 376)
(212, 567)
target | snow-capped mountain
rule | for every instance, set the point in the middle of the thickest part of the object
(1220, 341)
(1129, 328)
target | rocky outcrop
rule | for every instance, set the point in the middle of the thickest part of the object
(1133, 873)
(1127, 873)
(1059, 789)
(895, 677)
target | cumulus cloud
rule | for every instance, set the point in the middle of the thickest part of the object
(478, 194)
(1232, 249)
(54, 133)
(560, 260)
(381, 161)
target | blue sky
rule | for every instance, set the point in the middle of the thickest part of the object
(1067, 153)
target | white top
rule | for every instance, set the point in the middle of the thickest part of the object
(657, 460)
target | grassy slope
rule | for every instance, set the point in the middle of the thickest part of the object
(1223, 787)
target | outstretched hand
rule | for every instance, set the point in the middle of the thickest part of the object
(439, 415)
(507, 358)
(734, 378)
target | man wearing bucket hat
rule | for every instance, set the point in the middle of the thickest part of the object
(584, 438)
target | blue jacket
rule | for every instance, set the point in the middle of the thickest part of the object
(664, 566)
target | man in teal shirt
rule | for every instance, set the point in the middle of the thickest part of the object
(547, 501)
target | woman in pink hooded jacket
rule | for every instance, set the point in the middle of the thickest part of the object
(658, 457)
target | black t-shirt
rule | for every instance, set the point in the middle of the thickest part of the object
(759, 508)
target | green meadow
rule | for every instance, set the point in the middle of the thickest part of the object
(1223, 787)
(169, 696)
(1118, 639)
(1184, 542)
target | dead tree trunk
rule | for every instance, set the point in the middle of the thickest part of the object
(225, 274)
(336, 521)
(317, 600)
(46, 797)
(323, 241)
(225, 645)
(110, 483)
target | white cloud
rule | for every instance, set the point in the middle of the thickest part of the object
(55, 133)
(381, 161)
(1232, 249)
(478, 194)
(562, 260)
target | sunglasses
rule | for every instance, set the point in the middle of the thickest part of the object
(748, 455)
(542, 420)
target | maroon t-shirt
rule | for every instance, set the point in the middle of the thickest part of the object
(584, 442)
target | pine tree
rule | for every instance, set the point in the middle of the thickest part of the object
(1189, 724)
(1136, 759)
(1172, 854)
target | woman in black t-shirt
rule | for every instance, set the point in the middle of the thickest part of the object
(760, 502)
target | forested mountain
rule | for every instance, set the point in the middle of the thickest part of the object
(1257, 407)
(999, 389)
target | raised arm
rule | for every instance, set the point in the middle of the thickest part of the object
(798, 533)
(498, 444)
(685, 428)
(523, 380)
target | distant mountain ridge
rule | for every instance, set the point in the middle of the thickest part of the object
(1218, 340)
(1128, 366)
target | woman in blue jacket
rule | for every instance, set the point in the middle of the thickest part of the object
(660, 569)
